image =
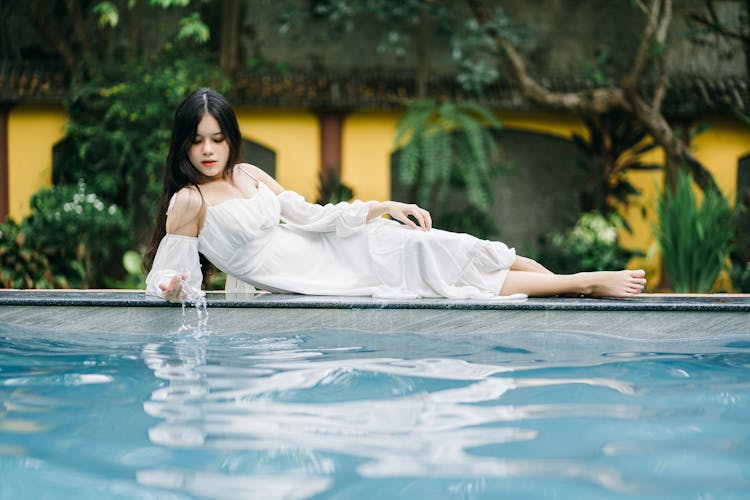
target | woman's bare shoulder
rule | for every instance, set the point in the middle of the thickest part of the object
(185, 212)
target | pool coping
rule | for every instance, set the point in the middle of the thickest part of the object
(137, 298)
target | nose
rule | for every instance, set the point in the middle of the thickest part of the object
(207, 148)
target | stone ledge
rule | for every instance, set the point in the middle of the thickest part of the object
(136, 298)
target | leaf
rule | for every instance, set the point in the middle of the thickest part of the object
(647, 166)
(192, 27)
(108, 14)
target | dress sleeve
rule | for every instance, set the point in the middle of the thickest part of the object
(176, 255)
(344, 218)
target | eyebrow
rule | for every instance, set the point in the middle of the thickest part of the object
(209, 135)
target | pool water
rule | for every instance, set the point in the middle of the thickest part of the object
(324, 413)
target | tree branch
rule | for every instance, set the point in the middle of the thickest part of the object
(626, 97)
(661, 86)
(661, 38)
(48, 30)
(721, 29)
(599, 100)
(631, 80)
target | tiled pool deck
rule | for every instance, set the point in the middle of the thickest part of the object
(647, 318)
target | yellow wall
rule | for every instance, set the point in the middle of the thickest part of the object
(546, 123)
(295, 137)
(32, 131)
(719, 148)
(367, 144)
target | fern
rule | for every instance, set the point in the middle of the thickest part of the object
(447, 144)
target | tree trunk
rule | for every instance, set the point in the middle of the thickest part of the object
(229, 45)
(135, 20)
(423, 63)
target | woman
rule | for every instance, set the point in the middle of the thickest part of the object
(249, 226)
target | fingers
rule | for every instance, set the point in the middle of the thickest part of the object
(172, 291)
(403, 213)
(427, 225)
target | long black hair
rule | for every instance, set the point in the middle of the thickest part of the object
(178, 171)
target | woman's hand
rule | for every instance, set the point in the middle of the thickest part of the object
(403, 212)
(172, 291)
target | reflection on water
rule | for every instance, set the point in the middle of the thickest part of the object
(295, 402)
(327, 413)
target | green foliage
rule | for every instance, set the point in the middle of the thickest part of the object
(135, 277)
(331, 189)
(612, 149)
(591, 245)
(695, 240)
(472, 220)
(740, 276)
(599, 68)
(193, 28)
(119, 129)
(476, 48)
(108, 14)
(448, 144)
(23, 263)
(448, 147)
(740, 257)
(397, 20)
(78, 230)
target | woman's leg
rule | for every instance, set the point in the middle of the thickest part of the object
(625, 283)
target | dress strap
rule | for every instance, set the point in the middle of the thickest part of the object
(244, 171)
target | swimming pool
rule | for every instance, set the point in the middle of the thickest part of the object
(310, 399)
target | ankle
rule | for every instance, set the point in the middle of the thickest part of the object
(585, 284)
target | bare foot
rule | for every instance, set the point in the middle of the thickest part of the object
(626, 283)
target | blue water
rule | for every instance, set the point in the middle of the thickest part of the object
(346, 414)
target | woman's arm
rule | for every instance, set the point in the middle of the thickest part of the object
(399, 211)
(176, 262)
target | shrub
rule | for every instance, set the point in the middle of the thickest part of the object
(591, 245)
(23, 263)
(78, 231)
(695, 240)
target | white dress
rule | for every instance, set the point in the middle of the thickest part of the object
(287, 245)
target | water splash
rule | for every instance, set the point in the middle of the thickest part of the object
(197, 298)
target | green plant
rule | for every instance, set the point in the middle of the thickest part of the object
(331, 189)
(448, 144)
(119, 129)
(590, 245)
(78, 230)
(23, 263)
(613, 148)
(695, 240)
(475, 221)
(739, 273)
(135, 277)
(448, 149)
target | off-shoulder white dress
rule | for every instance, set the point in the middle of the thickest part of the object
(281, 243)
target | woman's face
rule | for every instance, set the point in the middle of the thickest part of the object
(209, 151)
